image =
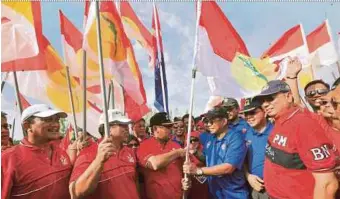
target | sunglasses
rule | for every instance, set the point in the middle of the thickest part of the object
(251, 113)
(332, 102)
(6, 126)
(212, 121)
(194, 140)
(318, 91)
(268, 98)
(133, 145)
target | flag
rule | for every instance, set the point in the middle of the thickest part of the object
(135, 30)
(118, 56)
(22, 42)
(223, 57)
(321, 45)
(291, 43)
(161, 88)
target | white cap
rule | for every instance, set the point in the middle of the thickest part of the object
(40, 110)
(114, 116)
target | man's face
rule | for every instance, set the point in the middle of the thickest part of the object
(326, 109)
(276, 103)
(119, 132)
(314, 92)
(336, 102)
(255, 117)
(186, 123)
(162, 132)
(46, 128)
(232, 113)
(180, 129)
(139, 129)
(4, 131)
(216, 125)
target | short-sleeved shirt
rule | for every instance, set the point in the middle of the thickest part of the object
(256, 144)
(296, 147)
(230, 149)
(165, 183)
(240, 126)
(118, 177)
(28, 172)
(204, 136)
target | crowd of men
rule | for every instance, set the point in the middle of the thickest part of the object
(272, 147)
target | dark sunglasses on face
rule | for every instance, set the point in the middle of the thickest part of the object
(318, 91)
(251, 113)
(6, 126)
(135, 145)
(194, 140)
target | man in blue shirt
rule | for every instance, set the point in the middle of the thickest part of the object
(235, 123)
(256, 139)
(224, 153)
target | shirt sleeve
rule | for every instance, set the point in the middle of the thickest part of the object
(236, 150)
(81, 164)
(313, 146)
(143, 154)
(7, 174)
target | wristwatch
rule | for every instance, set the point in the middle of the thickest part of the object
(199, 171)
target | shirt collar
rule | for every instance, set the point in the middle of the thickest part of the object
(265, 131)
(287, 114)
(24, 142)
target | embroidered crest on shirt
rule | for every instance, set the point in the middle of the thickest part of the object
(248, 142)
(208, 144)
(63, 161)
(130, 158)
(244, 130)
(224, 146)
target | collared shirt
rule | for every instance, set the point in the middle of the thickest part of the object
(179, 142)
(230, 149)
(28, 171)
(296, 147)
(240, 126)
(204, 136)
(118, 177)
(164, 183)
(256, 143)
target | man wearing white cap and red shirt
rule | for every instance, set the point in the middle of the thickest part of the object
(37, 167)
(107, 170)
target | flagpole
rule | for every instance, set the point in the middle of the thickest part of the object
(17, 93)
(102, 72)
(3, 81)
(84, 91)
(158, 45)
(71, 99)
(13, 127)
(194, 69)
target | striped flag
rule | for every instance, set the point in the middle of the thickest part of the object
(161, 88)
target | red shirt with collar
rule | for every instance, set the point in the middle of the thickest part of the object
(118, 177)
(27, 172)
(296, 147)
(164, 183)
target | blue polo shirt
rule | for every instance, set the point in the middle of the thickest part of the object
(230, 149)
(240, 126)
(256, 143)
(204, 137)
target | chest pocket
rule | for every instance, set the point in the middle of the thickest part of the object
(221, 150)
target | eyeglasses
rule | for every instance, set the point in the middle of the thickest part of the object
(268, 98)
(194, 140)
(6, 126)
(133, 145)
(318, 91)
(212, 121)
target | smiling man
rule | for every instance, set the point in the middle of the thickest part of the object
(256, 139)
(313, 91)
(37, 167)
(299, 161)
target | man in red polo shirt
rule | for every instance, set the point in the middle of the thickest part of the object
(37, 167)
(6, 141)
(299, 163)
(107, 170)
(161, 160)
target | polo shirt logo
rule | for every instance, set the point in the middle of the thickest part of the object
(208, 144)
(280, 140)
(63, 161)
(223, 147)
(320, 153)
(130, 158)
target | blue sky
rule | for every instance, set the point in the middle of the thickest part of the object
(259, 24)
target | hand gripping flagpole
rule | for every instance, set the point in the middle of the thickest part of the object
(101, 64)
(194, 69)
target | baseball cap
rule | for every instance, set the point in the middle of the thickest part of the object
(161, 118)
(115, 116)
(40, 110)
(250, 104)
(216, 112)
(273, 87)
(230, 102)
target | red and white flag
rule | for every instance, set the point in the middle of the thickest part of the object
(321, 45)
(292, 43)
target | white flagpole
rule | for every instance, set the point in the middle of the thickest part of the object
(102, 72)
(194, 69)
(17, 92)
(158, 47)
